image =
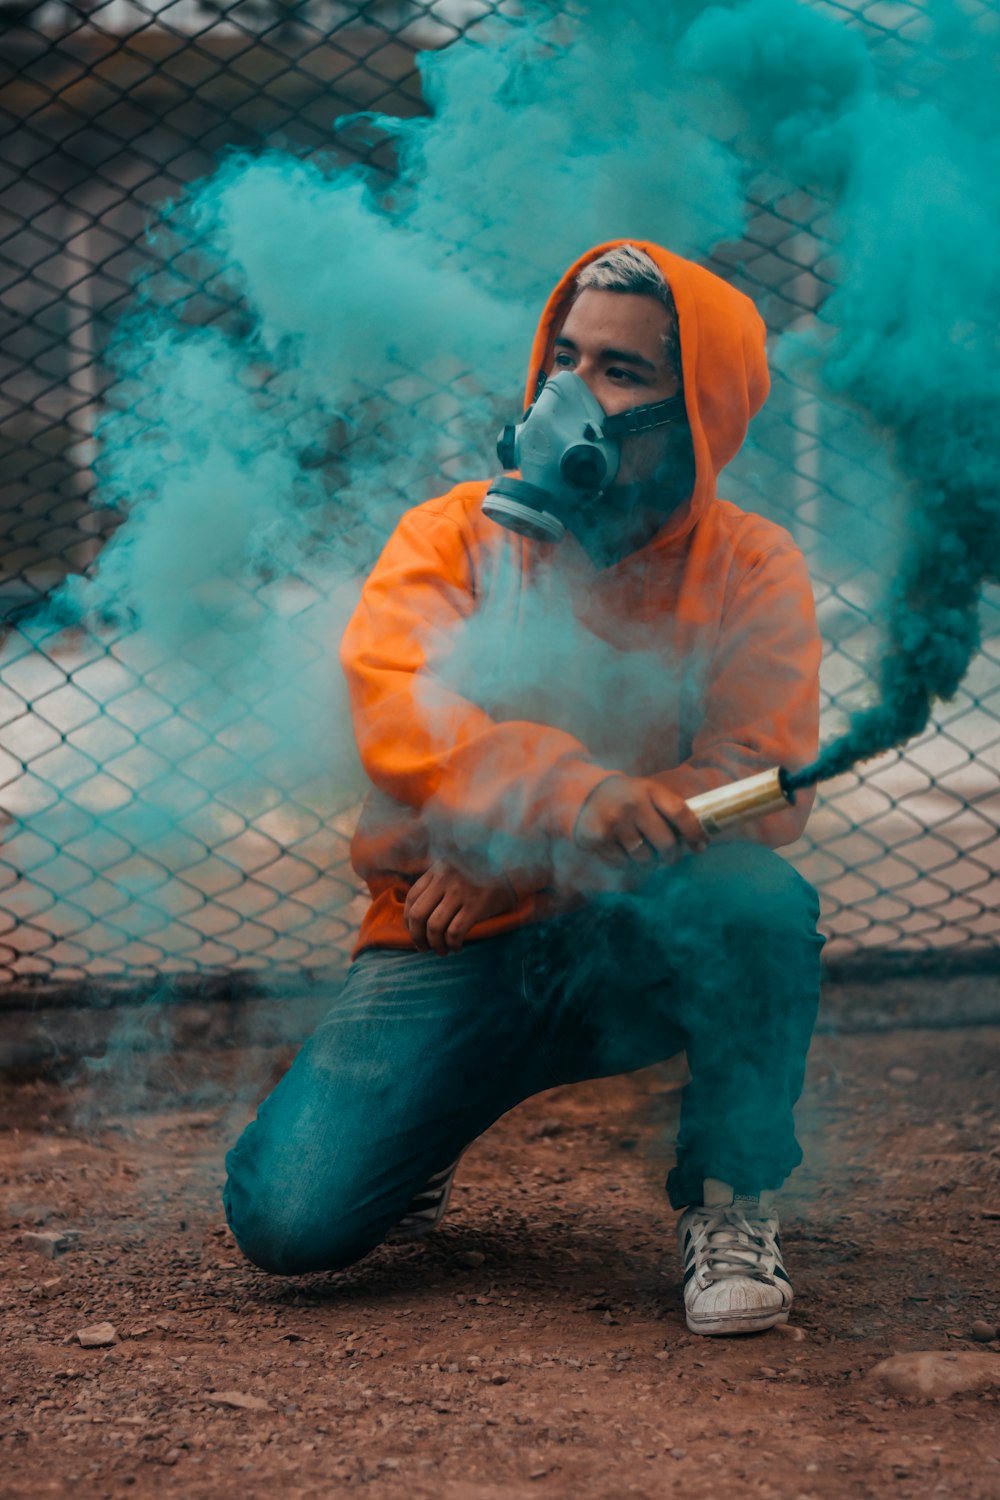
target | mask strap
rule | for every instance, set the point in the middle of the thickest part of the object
(645, 418)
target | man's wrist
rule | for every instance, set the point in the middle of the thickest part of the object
(561, 796)
(608, 776)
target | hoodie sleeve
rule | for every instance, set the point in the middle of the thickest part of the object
(422, 743)
(761, 704)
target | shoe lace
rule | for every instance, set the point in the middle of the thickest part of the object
(733, 1245)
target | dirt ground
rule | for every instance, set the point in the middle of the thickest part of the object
(535, 1345)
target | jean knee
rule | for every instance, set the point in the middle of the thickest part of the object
(276, 1237)
(288, 1234)
(752, 889)
(739, 915)
(775, 897)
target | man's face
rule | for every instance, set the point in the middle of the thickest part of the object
(614, 342)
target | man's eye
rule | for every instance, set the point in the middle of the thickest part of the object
(563, 359)
(624, 375)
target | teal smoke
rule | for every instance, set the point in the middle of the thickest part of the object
(378, 326)
(910, 333)
(316, 349)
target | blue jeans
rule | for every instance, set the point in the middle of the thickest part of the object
(718, 956)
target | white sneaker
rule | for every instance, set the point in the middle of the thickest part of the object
(734, 1279)
(427, 1209)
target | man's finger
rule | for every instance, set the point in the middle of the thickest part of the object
(682, 820)
(439, 921)
(418, 932)
(417, 928)
(655, 831)
(418, 908)
(417, 890)
(459, 927)
(639, 849)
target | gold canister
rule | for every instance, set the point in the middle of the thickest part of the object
(750, 798)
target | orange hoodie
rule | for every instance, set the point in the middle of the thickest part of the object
(496, 681)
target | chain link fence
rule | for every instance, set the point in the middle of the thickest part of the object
(111, 107)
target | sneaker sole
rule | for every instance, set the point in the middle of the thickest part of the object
(417, 1226)
(759, 1324)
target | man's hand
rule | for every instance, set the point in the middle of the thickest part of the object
(444, 904)
(633, 819)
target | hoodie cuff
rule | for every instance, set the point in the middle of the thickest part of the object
(567, 793)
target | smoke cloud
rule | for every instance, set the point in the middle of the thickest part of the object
(910, 332)
(380, 330)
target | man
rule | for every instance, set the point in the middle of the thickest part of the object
(532, 716)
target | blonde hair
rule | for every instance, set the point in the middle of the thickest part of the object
(626, 268)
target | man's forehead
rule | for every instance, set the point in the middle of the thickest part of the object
(600, 315)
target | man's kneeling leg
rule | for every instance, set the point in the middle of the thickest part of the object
(418, 1055)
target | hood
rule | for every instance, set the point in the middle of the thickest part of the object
(722, 357)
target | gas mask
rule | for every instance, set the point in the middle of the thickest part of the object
(568, 452)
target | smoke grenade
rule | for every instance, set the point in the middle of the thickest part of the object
(751, 797)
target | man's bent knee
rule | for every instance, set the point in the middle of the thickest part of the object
(289, 1247)
(290, 1233)
(745, 886)
(277, 1236)
(737, 917)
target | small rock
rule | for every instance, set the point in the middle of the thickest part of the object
(499, 1379)
(791, 1331)
(546, 1128)
(902, 1075)
(472, 1259)
(984, 1332)
(50, 1242)
(768, 1372)
(97, 1336)
(932, 1375)
(678, 1453)
(238, 1400)
(992, 1211)
(50, 1288)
